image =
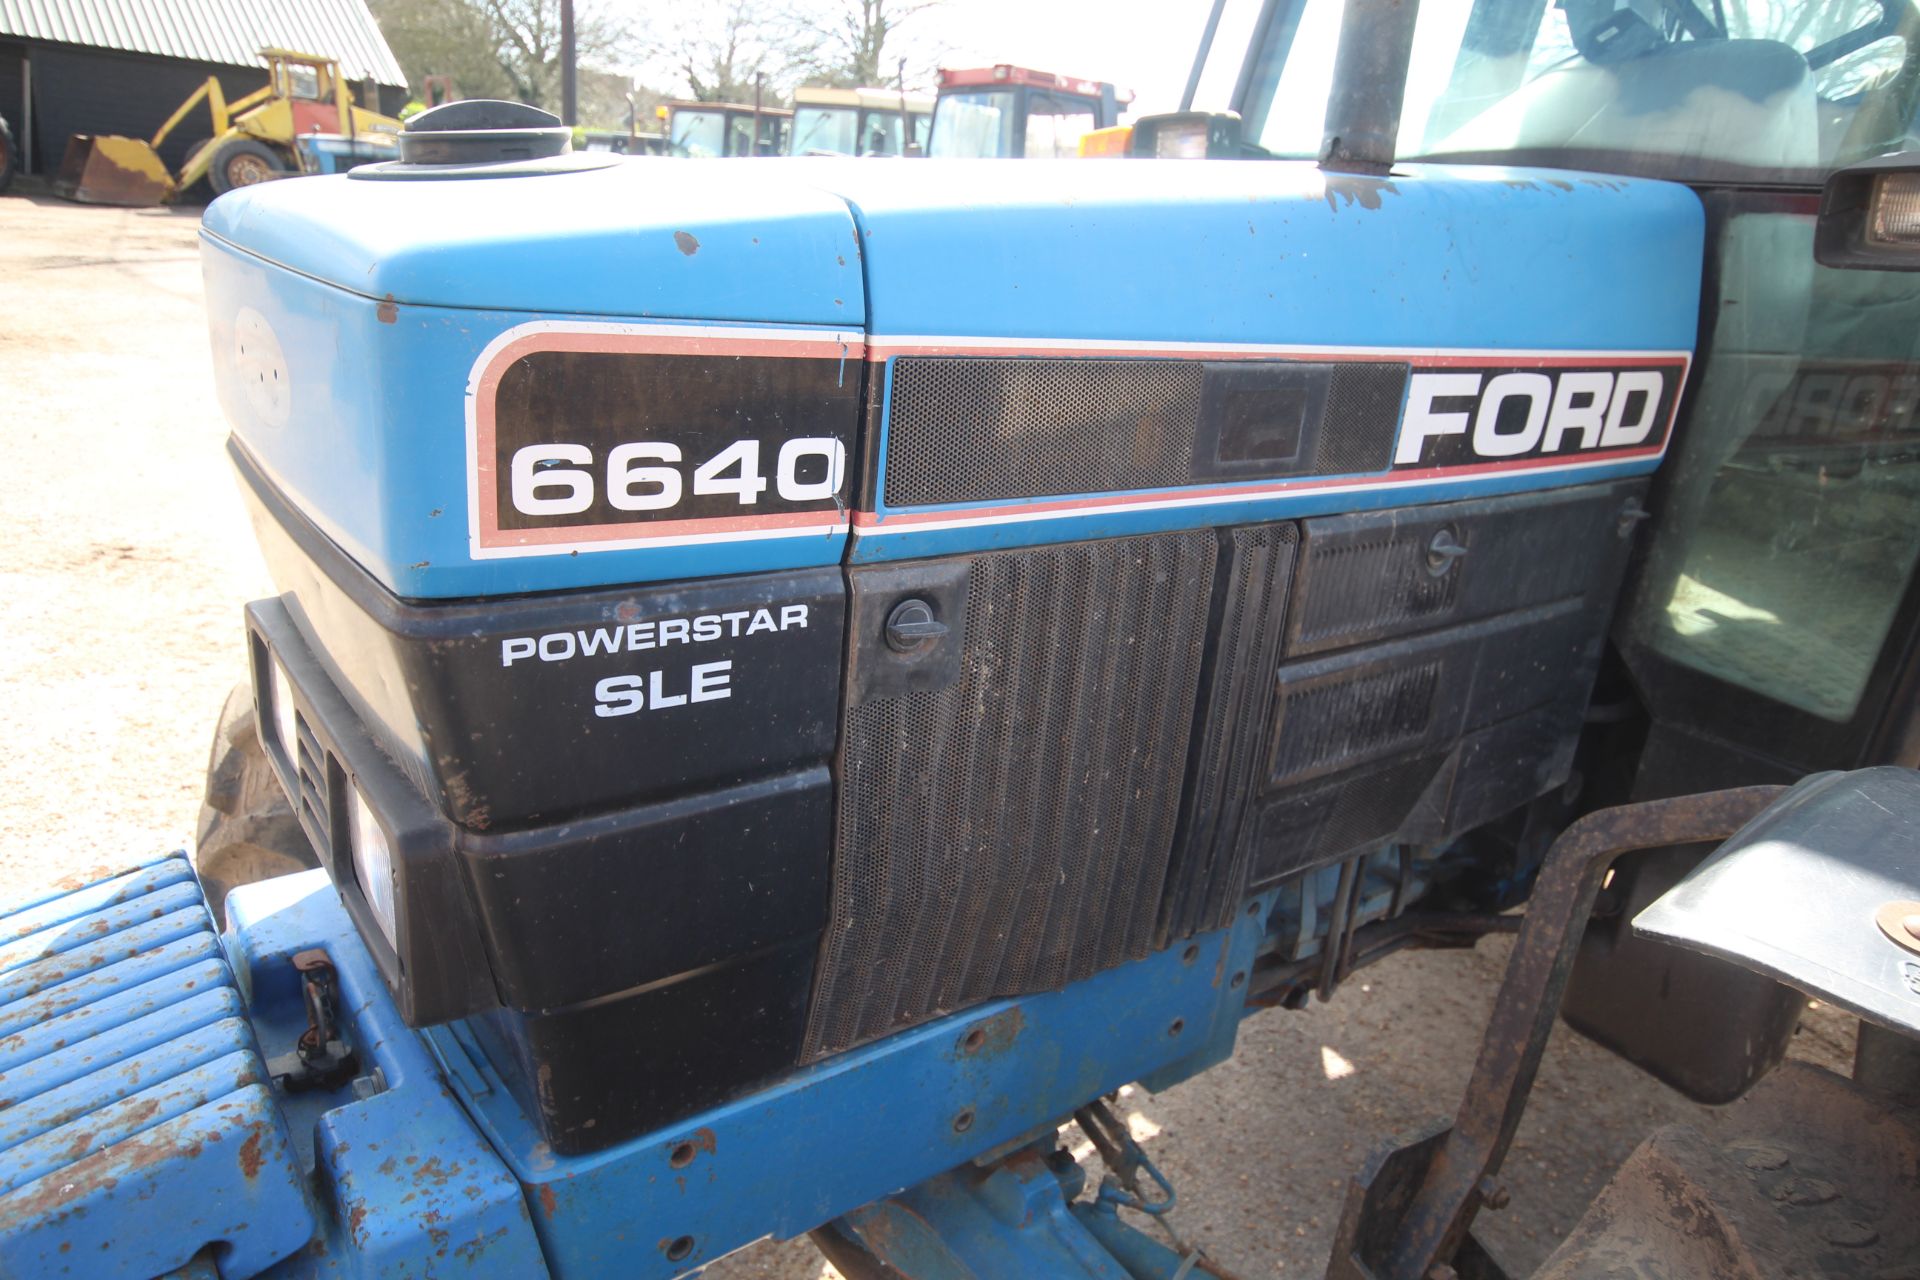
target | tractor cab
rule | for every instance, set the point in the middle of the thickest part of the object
(1005, 111)
(330, 131)
(316, 94)
(858, 122)
(707, 130)
(1773, 615)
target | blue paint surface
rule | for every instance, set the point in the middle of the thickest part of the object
(1278, 252)
(644, 237)
(886, 1116)
(410, 1188)
(136, 1120)
(374, 447)
(435, 1170)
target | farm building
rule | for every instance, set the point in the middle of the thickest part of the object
(123, 66)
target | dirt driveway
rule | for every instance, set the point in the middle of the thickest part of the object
(126, 555)
(124, 563)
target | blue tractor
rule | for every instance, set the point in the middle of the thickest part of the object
(803, 678)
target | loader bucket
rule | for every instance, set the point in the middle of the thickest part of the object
(104, 169)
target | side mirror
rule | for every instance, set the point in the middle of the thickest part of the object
(1870, 215)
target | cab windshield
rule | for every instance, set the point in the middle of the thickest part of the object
(972, 125)
(1739, 90)
(826, 131)
(302, 81)
(847, 131)
(699, 134)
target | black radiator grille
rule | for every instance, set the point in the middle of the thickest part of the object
(1010, 832)
(1208, 873)
(981, 429)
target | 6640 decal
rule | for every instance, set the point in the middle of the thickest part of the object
(600, 437)
(555, 479)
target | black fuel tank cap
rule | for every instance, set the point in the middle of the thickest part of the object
(483, 131)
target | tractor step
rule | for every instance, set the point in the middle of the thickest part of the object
(137, 1121)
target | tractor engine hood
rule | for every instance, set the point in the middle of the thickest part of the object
(353, 318)
(686, 240)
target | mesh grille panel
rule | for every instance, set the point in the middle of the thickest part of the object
(967, 430)
(1363, 408)
(1339, 818)
(1010, 833)
(1372, 805)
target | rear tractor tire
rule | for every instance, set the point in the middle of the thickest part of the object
(248, 830)
(241, 162)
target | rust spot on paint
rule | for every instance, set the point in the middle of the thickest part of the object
(470, 1252)
(91, 875)
(435, 1172)
(549, 1203)
(250, 1154)
(388, 312)
(993, 1036)
(688, 245)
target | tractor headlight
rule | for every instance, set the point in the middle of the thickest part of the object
(280, 707)
(373, 864)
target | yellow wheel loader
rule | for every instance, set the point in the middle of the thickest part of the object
(255, 138)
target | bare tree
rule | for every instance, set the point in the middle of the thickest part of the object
(526, 39)
(451, 38)
(498, 48)
(721, 51)
(857, 43)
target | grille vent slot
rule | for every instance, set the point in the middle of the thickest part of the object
(1327, 726)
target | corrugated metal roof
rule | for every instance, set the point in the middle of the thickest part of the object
(229, 31)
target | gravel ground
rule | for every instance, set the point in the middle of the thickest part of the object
(127, 560)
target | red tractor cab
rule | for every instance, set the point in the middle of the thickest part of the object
(1008, 111)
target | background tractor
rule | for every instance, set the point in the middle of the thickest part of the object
(254, 138)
